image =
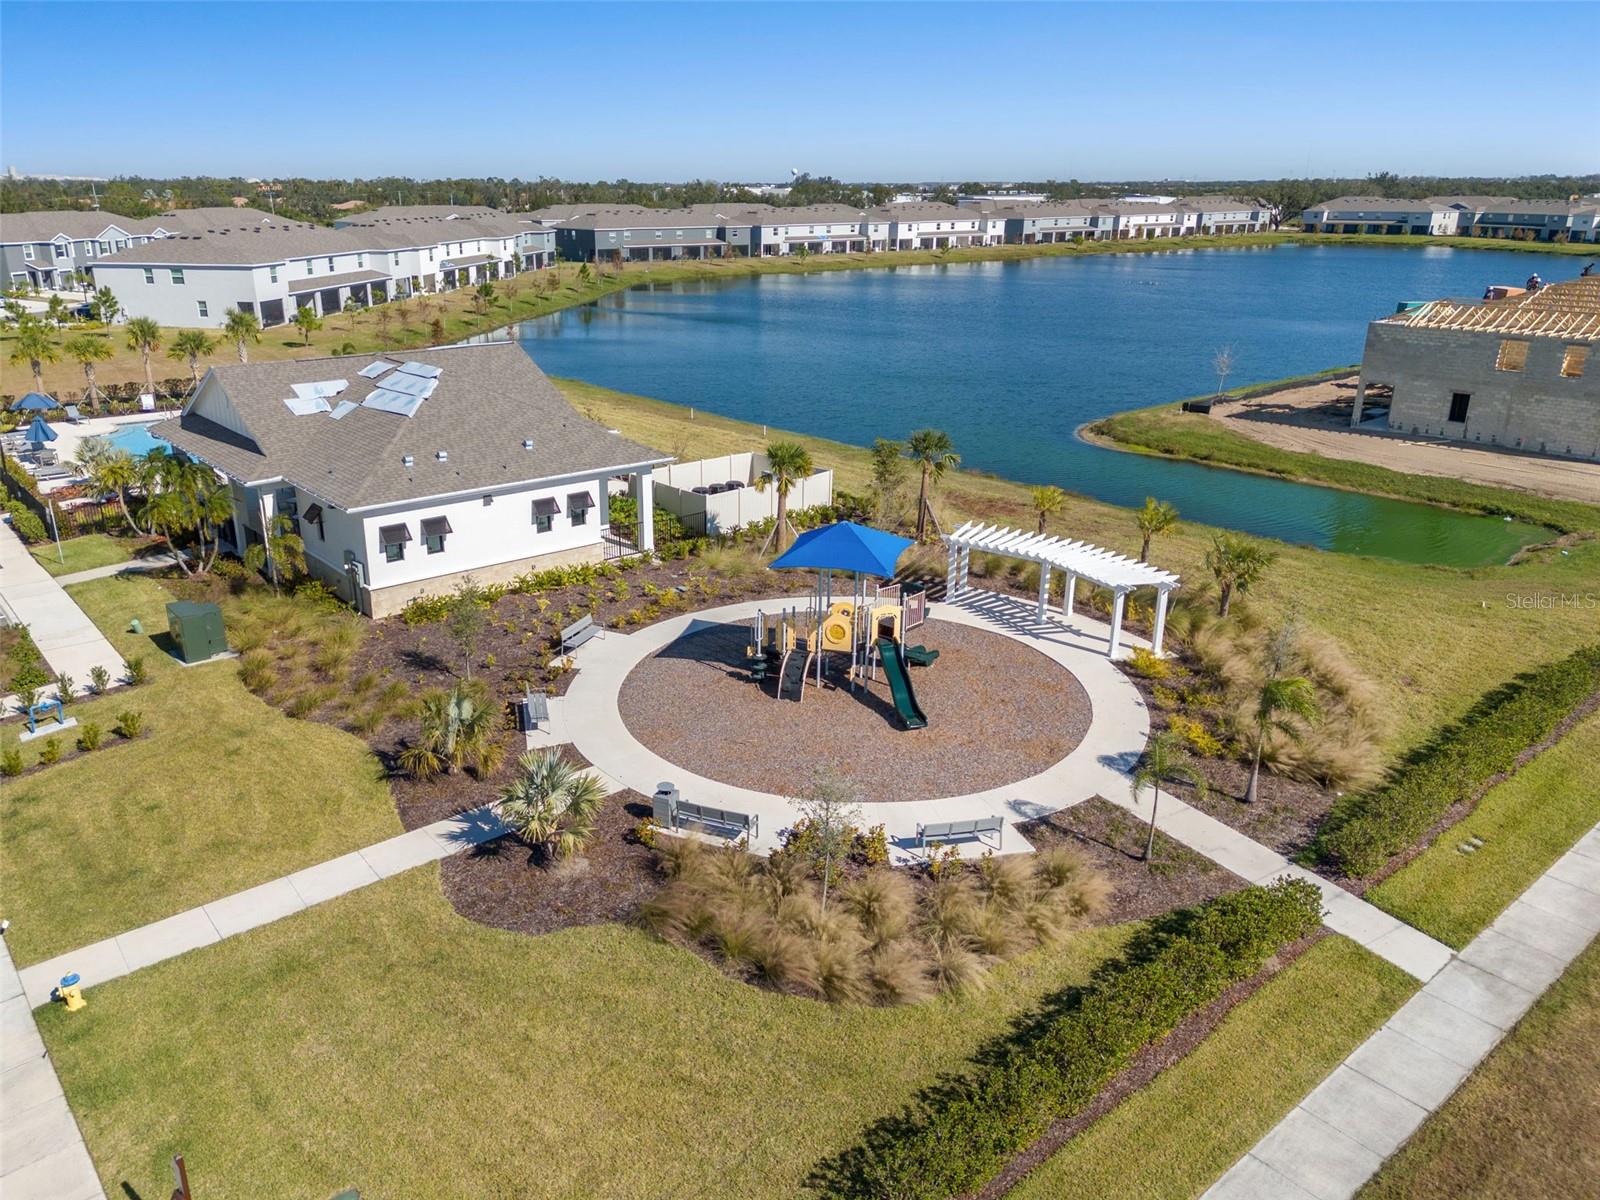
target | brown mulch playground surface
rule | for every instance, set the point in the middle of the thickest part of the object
(998, 712)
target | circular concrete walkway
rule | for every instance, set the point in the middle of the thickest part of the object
(1100, 765)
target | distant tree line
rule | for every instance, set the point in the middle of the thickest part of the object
(315, 199)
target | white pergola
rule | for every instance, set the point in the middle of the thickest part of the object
(1116, 572)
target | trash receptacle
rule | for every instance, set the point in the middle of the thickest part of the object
(663, 803)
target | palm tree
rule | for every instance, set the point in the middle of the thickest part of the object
(1164, 759)
(1157, 516)
(117, 472)
(1047, 502)
(190, 500)
(1237, 563)
(552, 804)
(242, 327)
(144, 335)
(307, 322)
(933, 452)
(32, 344)
(88, 350)
(1281, 700)
(284, 551)
(193, 345)
(787, 464)
(458, 730)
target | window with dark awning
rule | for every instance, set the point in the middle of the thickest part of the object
(545, 506)
(393, 535)
(436, 526)
(314, 514)
(579, 500)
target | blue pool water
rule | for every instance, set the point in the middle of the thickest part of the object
(1012, 358)
(136, 440)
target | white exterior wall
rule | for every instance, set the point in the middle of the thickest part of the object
(178, 304)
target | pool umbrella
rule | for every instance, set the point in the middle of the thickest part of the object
(34, 402)
(40, 432)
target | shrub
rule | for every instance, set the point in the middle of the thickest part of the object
(955, 1137)
(647, 833)
(26, 522)
(137, 671)
(66, 689)
(1365, 829)
(130, 724)
(11, 762)
(1149, 664)
(99, 680)
(29, 677)
(50, 752)
(1195, 735)
(89, 735)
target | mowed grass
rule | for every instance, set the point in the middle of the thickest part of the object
(1184, 1129)
(1526, 823)
(83, 553)
(382, 1042)
(1431, 639)
(1526, 1124)
(223, 792)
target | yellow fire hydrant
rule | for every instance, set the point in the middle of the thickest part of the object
(68, 992)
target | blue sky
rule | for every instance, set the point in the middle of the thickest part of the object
(906, 91)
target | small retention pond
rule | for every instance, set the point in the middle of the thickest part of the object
(1011, 358)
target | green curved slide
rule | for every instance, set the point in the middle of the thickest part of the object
(905, 699)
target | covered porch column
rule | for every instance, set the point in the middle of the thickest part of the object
(1159, 633)
(1355, 409)
(644, 494)
(1044, 589)
(1116, 622)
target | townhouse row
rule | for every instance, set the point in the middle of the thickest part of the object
(1459, 216)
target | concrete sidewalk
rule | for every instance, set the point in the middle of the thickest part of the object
(1338, 1137)
(151, 562)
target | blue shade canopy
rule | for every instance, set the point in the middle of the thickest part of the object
(40, 431)
(34, 402)
(844, 546)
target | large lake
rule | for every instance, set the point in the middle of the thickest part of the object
(1011, 358)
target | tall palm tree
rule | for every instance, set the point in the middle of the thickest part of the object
(144, 335)
(1237, 564)
(934, 453)
(1047, 502)
(1156, 517)
(307, 322)
(242, 327)
(33, 345)
(1164, 759)
(88, 350)
(1281, 700)
(787, 464)
(552, 804)
(192, 345)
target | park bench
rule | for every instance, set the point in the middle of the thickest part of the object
(532, 709)
(679, 812)
(576, 634)
(950, 831)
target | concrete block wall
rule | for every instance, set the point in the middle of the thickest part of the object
(1535, 409)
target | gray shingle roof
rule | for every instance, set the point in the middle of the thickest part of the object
(488, 399)
(44, 226)
(315, 283)
(241, 245)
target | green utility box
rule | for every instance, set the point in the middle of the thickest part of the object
(196, 630)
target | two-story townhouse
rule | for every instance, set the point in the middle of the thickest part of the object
(1058, 221)
(928, 225)
(1213, 215)
(1536, 221)
(1377, 214)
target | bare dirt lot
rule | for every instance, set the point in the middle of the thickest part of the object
(1314, 419)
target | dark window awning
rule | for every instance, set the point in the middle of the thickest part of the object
(579, 500)
(436, 526)
(545, 506)
(314, 514)
(393, 535)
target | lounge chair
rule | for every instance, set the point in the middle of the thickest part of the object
(73, 414)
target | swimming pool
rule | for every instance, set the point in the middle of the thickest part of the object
(136, 440)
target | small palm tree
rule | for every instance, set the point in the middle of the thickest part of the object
(552, 804)
(284, 551)
(1164, 759)
(192, 345)
(1047, 502)
(1281, 701)
(117, 472)
(458, 731)
(242, 328)
(1156, 517)
(88, 349)
(1238, 564)
(787, 464)
(144, 335)
(33, 345)
(934, 453)
(307, 322)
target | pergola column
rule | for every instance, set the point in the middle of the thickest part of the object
(966, 566)
(1068, 593)
(1355, 410)
(951, 564)
(1044, 588)
(644, 493)
(1160, 631)
(1116, 622)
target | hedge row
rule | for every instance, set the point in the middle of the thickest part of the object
(957, 1137)
(1365, 830)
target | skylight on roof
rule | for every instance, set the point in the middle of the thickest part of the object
(421, 370)
(388, 401)
(374, 369)
(304, 406)
(343, 409)
(411, 385)
(323, 387)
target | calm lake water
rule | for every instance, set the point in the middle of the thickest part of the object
(1011, 358)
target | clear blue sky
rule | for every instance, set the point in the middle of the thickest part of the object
(906, 91)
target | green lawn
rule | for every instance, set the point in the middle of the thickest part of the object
(1174, 1137)
(382, 1042)
(83, 553)
(1527, 1123)
(223, 792)
(1526, 823)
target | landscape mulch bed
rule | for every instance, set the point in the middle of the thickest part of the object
(998, 711)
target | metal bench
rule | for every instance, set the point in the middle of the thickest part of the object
(576, 634)
(532, 709)
(673, 811)
(949, 831)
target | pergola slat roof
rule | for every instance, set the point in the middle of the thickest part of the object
(1107, 568)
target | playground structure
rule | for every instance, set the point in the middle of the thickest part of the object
(869, 626)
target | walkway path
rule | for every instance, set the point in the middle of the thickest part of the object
(1339, 1135)
(42, 1155)
(167, 938)
(150, 562)
(69, 641)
